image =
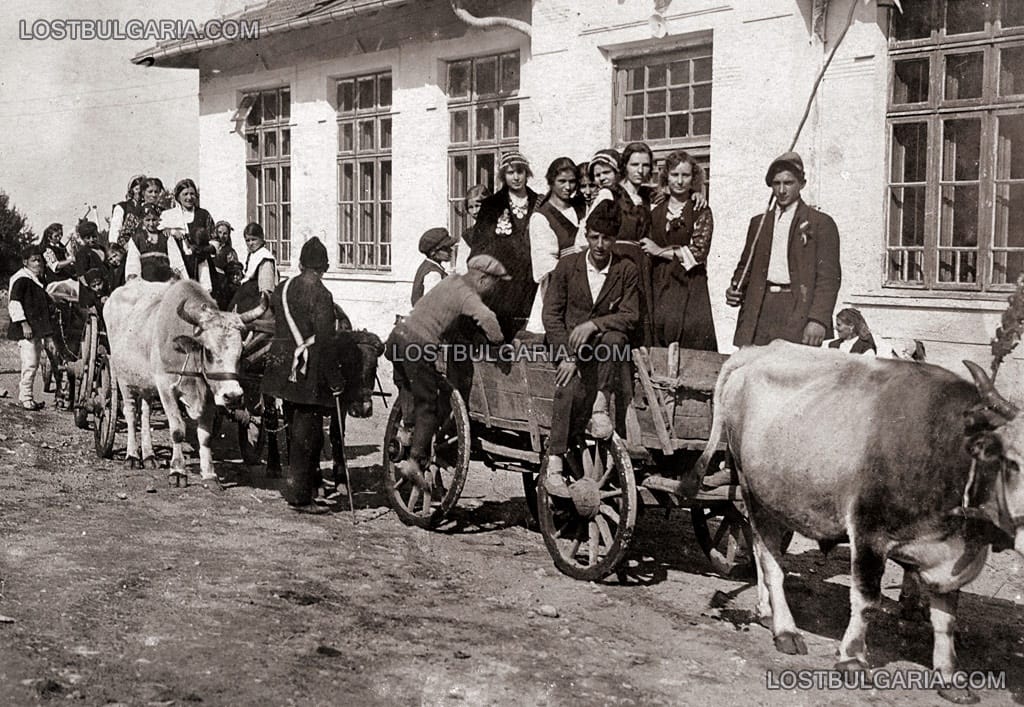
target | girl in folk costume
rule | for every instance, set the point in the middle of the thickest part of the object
(186, 221)
(59, 264)
(554, 230)
(852, 334)
(126, 217)
(260, 274)
(475, 196)
(587, 188)
(152, 254)
(678, 246)
(436, 245)
(502, 232)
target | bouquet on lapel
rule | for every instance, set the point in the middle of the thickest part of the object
(1012, 326)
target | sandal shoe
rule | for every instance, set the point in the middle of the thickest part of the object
(555, 485)
(311, 509)
(410, 471)
(33, 405)
(600, 425)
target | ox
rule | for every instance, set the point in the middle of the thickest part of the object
(169, 340)
(907, 460)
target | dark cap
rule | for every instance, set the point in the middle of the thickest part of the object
(95, 274)
(604, 218)
(490, 265)
(434, 238)
(31, 250)
(313, 255)
(787, 161)
(87, 228)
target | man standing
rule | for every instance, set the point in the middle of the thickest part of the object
(790, 287)
(591, 307)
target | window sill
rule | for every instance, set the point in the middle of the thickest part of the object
(932, 299)
(361, 276)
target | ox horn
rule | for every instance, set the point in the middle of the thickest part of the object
(257, 311)
(187, 311)
(989, 393)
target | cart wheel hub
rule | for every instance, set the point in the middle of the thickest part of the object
(586, 495)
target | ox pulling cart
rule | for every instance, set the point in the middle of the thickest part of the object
(505, 425)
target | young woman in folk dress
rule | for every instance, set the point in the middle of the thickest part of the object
(475, 196)
(126, 217)
(678, 246)
(191, 225)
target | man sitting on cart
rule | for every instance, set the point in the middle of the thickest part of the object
(591, 307)
(415, 341)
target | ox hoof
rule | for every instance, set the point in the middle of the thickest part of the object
(177, 478)
(133, 463)
(958, 696)
(851, 665)
(915, 611)
(213, 485)
(149, 463)
(790, 644)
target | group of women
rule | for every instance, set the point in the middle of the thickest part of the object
(666, 230)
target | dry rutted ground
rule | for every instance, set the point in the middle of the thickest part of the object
(121, 595)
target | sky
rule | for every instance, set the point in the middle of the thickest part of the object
(78, 119)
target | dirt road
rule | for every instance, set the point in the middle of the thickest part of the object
(115, 588)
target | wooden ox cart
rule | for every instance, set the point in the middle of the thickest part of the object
(506, 423)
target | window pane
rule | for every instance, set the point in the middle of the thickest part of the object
(702, 69)
(1010, 148)
(906, 216)
(256, 113)
(459, 175)
(510, 73)
(286, 184)
(458, 79)
(910, 81)
(384, 87)
(635, 129)
(385, 133)
(679, 99)
(958, 266)
(286, 142)
(346, 96)
(270, 226)
(679, 125)
(964, 75)
(656, 128)
(269, 184)
(656, 102)
(961, 148)
(1007, 267)
(959, 216)
(460, 126)
(1009, 215)
(635, 79)
(965, 16)
(348, 182)
(347, 228)
(679, 73)
(1013, 13)
(252, 142)
(656, 76)
(366, 228)
(385, 230)
(346, 140)
(269, 105)
(366, 98)
(286, 232)
(906, 266)
(485, 122)
(485, 173)
(270, 143)
(286, 104)
(915, 22)
(702, 123)
(909, 152)
(702, 96)
(635, 104)
(1011, 71)
(366, 129)
(385, 180)
(486, 76)
(366, 181)
(511, 124)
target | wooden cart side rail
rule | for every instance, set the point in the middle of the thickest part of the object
(661, 427)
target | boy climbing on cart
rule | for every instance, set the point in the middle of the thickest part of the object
(591, 307)
(414, 347)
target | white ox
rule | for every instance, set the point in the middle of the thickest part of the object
(168, 339)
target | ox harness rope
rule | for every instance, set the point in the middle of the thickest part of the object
(202, 372)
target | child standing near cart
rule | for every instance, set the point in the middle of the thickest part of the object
(29, 310)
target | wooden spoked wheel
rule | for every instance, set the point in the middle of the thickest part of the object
(588, 534)
(86, 388)
(107, 405)
(724, 536)
(447, 470)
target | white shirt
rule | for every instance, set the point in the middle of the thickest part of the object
(544, 251)
(778, 265)
(596, 278)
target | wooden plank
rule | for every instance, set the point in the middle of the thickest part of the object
(653, 403)
(511, 452)
(531, 413)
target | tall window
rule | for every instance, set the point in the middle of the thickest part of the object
(364, 172)
(268, 166)
(955, 200)
(483, 111)
(665, 101)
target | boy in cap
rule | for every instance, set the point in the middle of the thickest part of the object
(436, 245)
(593, 299)
(29, 310)
(792, 282)
(413, 345)
(91, 254)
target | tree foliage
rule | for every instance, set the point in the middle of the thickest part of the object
(14, 235)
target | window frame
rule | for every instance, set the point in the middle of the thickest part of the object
(378, 155)
(251, 115)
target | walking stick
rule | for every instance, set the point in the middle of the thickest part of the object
(348, 474)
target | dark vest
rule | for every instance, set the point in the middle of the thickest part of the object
(156, 266)
(565, 230)
(427, 266)
(132, 221)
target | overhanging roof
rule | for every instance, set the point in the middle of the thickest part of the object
(274, 17)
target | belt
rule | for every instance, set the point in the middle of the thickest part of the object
(777, 287)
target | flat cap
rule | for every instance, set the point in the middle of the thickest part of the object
(490, 265)
(434, 238)
(787, 161)
(87, 228)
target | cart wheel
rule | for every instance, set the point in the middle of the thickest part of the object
(86, 387)
(588, 535)
(724, 535)
(449, 465)
(108, 406)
